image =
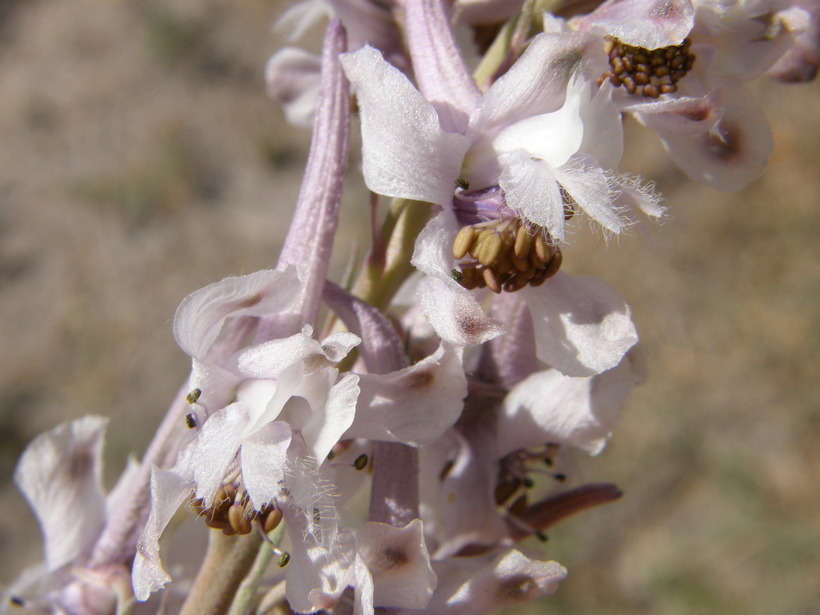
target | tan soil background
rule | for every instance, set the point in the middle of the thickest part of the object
(141, 159)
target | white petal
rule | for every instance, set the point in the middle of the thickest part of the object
(413, 405)
(433, 252)
(683, 116)
(531, 189)
(551, 407)
(405, 151)
(206, 460)
(263, 459)
(270, 359)
(168, 492)
(731, 155)
(583, 326)
(644, 23)
(398, 561)
(60, 475)
(200, 316)
(590, 188)
(455, 315)
(482, 585)
(551, 137)
(338, 345)
(326, 426)
(534, 85)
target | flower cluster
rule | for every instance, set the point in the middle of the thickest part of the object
(394, 441)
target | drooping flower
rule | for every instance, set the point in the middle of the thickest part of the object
(678, 67)
(60, 474)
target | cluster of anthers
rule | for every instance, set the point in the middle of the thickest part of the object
(649, 72)
(508, 254)
(233, 513)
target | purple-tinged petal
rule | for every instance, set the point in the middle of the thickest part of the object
(583, 326)
(263, 459)
(292, 76)
(681, 116)
(168, 492)
(731, 155)
(60, 473)
(473, 586)
(642, 23)
(439, 69)
(551, 407)
(405, 151)
(300, 17)
(398, 561)
(202, 314)
(455, 314)
(800, 63)
(310, 238)
(534, 85)
(591, 189)
(381, 348)
(414, 405)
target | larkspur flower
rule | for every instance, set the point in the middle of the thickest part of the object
(508, 166)
(679, 68)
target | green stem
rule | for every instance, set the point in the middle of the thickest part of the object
(384, 272)
(227, 561)
(246, 599)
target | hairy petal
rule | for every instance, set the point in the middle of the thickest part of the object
(731, 155)
(263, 459)
(583, 326)
(405, 151)
(551, 407)
(482, 585)
(414, 405)
(398, 561)
(59, 473)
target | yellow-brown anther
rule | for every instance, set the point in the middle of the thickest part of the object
(272, 520)
(504, 255)
(648, 72)
(233, 513)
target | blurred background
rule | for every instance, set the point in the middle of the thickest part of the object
(141, 159)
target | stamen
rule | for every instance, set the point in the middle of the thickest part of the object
(505, 254)
(190, 421)
(647, 72)
(232, 512)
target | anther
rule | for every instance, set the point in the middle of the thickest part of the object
(272, 520)
(463, 242)
(361, 462)
(193, 396)
(645, 71)
(190, 421)
(462, 183)
(284, 558)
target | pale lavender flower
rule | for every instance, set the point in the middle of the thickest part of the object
(679, 66)
(60, 474)
(510, 162)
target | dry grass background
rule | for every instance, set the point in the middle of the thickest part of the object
(140, 159)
